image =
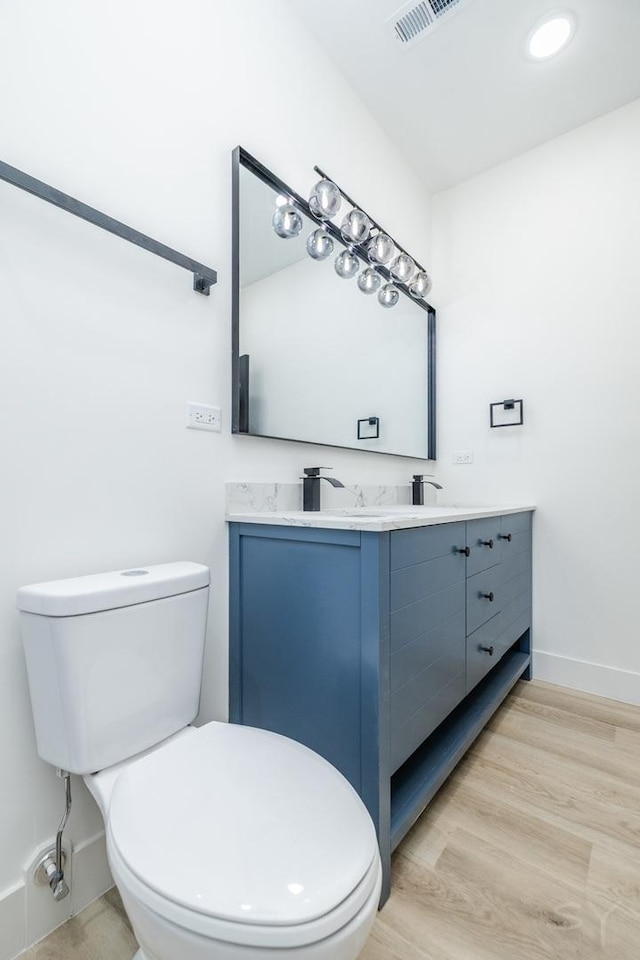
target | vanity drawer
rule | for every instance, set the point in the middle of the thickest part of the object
(483, 597)
(515, 535)
(483, 540)
(426, 543)
(484, 649)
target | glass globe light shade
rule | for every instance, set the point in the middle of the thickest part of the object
(287, 222)
(403, 268)
(325, 199)
(319, 245)
(356, 226)
(369, 280)
(346, 264)
(381, 248)
(388, 295)
(420, 285)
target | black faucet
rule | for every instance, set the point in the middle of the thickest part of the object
(311, 486)
(417, 489)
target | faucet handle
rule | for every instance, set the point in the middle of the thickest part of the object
(314, 471)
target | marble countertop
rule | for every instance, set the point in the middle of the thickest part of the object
(376, 519)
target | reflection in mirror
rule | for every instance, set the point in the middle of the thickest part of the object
(313, 356)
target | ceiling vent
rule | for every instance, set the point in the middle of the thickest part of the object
(414, 21)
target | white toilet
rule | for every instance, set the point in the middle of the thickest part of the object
(226, 842)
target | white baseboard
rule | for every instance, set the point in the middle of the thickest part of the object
(28, 913)
(588, 677)
(12, 922)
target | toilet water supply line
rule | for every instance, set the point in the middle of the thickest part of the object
(54, 870)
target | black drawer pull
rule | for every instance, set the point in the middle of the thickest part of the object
(488, 650)
(488, 543)
(465, 550)
(488, 596)
(504, 536)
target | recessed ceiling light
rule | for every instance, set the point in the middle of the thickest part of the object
(550, 35)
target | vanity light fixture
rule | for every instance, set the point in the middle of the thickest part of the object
(550, 35)
(387, 268)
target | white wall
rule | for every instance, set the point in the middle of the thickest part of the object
(538, 297)
(135, 107)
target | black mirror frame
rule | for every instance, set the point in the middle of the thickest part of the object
(242, 158)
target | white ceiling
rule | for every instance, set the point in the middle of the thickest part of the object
(466, 97)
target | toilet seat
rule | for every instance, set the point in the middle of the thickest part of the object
(243, 836)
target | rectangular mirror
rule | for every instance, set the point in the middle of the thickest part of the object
(314, 359)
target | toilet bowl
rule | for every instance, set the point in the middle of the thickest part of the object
(226, 842)
(233, 842)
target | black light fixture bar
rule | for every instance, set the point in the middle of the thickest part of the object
(353, 203)
(273, 181)
(203, 277)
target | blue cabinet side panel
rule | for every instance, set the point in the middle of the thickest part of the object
(375, 770)
(301, 650)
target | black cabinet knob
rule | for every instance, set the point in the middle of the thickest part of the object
(504, 536)
(465, 550)
(488, 543)
(488, 650)
(488, 596)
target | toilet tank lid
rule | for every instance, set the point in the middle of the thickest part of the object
(107, 591)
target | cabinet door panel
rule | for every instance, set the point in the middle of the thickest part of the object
(423, 686)
(422, 580)
(425, 543)
(418, 618)
(414, 657)
(406, 738)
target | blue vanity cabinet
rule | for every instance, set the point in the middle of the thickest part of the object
(427, 653)
(499, 596)
(366, 647)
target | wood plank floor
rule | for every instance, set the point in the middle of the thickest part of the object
(531, 851)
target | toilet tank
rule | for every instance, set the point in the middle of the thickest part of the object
(114, 661)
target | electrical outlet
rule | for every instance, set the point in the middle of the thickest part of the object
(200, 416)
(462, 456)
